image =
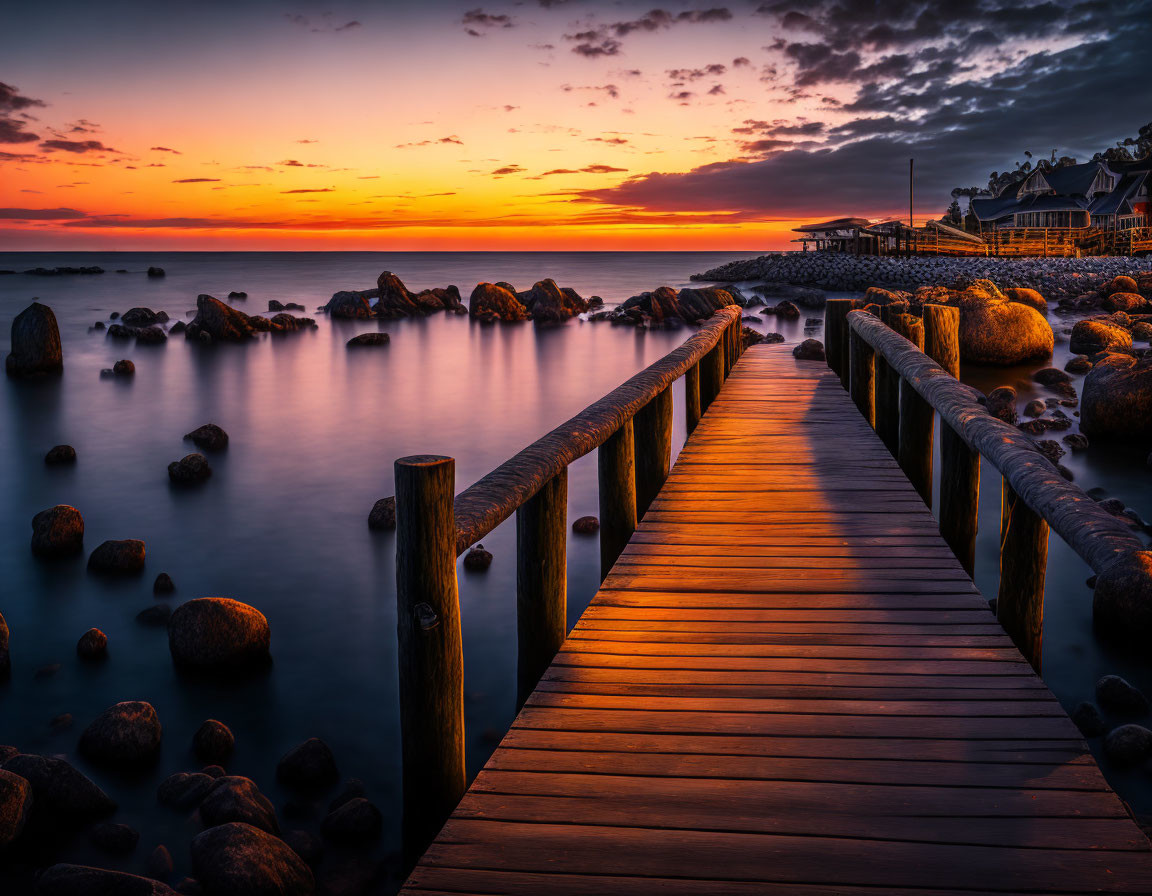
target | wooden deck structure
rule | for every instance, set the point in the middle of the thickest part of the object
(787, 683)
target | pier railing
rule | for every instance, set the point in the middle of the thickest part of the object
(631, 428)
(901, 369)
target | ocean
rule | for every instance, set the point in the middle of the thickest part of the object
(281, 524)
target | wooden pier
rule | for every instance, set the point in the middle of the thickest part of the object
(787, 683)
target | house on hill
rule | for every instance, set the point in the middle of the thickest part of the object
(1107, 195)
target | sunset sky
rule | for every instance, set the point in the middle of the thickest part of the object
(556, 124)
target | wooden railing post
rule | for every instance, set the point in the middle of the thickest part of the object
(916, 424)
(888, 392)
(959, 464)
(1023, 563)
(836, 336)
(711, 376)
(653, 429)
(616, 461)
(692, 397)
(430, 654)
(861, 360)
(541, 582)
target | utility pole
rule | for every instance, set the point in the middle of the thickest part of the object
(911, 165)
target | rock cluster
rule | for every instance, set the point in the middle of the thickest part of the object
(217, 322)
(664, 306)
(393, 300)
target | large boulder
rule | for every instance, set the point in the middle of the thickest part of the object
(350, 305)
(83, 880)
(695, 305)
(209, 437)
(218, 632)
(1128, 302)
(238, 859)
(61, 794)
(236, 798)
(440, 299)
(184, 790)
(58, 531)
(547, 303)
(123, 735)
(220, 322)
(1121, 284)
(123, 557)
(139, 317)
(1029, 297)
(190, 469)
(994, 330)
(1092, 336)
(1117, 397)
(36, 349)
(396, 300)
(492, 302)
(15, 806)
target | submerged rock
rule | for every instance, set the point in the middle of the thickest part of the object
(368, 340)
(123, 735)
(124, 367)
(233, 798)
(665, 304)
(163, 584)
(61, 454)
(184, 790)
(209, 437)
(218, 322)
(60, 793)
(308, 766)
(92, 646)
(493, 302)
(82, 880)
(586, 525)
(189, 469)
(1029, 297)
(1117, 398)
(1128, 745)
(1002, 404)
(122, 557)
(477, 559)
(1087, 718)
(547, 303)
(218, 632)
(809, 350)
(349, 305)
(994, 330)
(213, 741)
(5, 658)
(382, 517)
(354, 821)
(240, 860)
(1117, 694)
(15, 806)
(155, 272)
(36, 349)
(1089, 337)
(57, 531)
(139, 317)
(118, 839)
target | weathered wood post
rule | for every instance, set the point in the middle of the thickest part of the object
(616, 461)
(711, 375)
(916, 424)
(692, 397)
(430, 655)
(959, 464)
(541, 582)
(888, 392)
(1023, 563)
(653, 428)
(861, 360)
(836, 336)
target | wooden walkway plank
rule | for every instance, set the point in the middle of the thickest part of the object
(788, 684)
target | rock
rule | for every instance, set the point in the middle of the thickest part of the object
(382, 517)
(286, 323)
(305, 845)
(1078, 364)
(240, 860)
(809, 350)
(189, 886)
(1075, 441)
(178, 327)
(477, 559)
(750, 337)
(159, 865)
(784, 311)
(547, 303)
(5, 658)
(492, 302)
(1120, 284)
(396, 300)
(1115, 693)
(36, 349)
(273, 305)
(1050, 376)
(214, 771)
(1090, 337)
(155, 272)
(1128, 302)
(118, 839)
(1122, 599)
(15, 806)
(429, 301)
(234, 798)
(994, 330)
(138, 317)
(124, 367)
(1035, 408)
(1128, 745)
(234, 294)
(163, 584)
(162, 317)
(1050, 449)
(189, 469)
(355, 821)
(665, 304)
(208, 437)
(59, 792)
(309, 766)
(213, 741)
(92, 646)
(1142, 330)
(1002, 404)
(155, 616)
(874, 295)
(82, 880)
(184, 790)
(368, 340)
(1117, 399)
(99, 325)
(124, 557)
(348, 305)
(61, 454)
(57, 532)
(586, 525)
(1029, 297)
(1088, 719)
(123, 735)
(773, 338)
(119, 331)
(218, 632)
(219, 322)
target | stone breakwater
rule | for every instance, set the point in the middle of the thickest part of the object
(1054, 277)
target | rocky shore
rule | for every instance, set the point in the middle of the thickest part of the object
(1054, 277)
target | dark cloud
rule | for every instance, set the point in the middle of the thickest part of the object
(604, 40)
(307, 141)
(477, 22)
(609, 90)
(325, 25)
(741, 62)
(507, 169)
(76, 146)
(695, 74)
(441, 140)
(11, 100)
(312, 190)
(14, 129)
(587, 169)
(166, 149)
(197, 180)
(39, 214)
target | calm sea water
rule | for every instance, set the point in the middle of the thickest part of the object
(282, 523)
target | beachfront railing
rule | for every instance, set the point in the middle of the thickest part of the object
(899, 370)
(631, 428)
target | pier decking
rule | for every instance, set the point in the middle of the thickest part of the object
(788, 683)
